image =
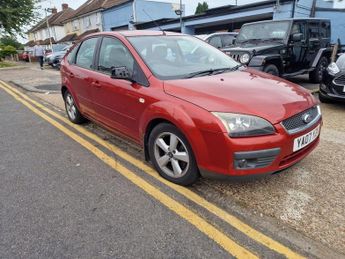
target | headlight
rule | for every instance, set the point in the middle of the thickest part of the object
(244, 59)
(333, 69)
(241, 125)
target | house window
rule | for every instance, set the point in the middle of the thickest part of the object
(87, 22)
(75, 25)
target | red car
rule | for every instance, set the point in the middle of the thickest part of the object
(195, 110)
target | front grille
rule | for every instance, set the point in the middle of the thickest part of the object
(235, 56)
(340, 80)
(297, 122)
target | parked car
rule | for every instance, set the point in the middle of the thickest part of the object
(24, 56)
(205, 115)
(54, 59)
(333, 84)
(285, 47)
(219, 40)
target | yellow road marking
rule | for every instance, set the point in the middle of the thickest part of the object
(202, 225)
(227, 217)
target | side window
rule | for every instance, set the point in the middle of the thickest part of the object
(325, 30)
(227, 40)
(215, 41)
(298, 28)
(86, 53)
(71, 55)
(114, 54)
(313, 30)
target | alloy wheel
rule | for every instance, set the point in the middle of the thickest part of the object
(171, 155)
(70, 107)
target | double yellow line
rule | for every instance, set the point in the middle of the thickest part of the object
(212, 232)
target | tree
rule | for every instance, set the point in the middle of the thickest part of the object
(201, 8)
(10, 41)
(15, 14)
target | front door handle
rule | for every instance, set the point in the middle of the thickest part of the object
(96, 84)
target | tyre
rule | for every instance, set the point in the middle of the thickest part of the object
(316, 75)
(271, 69)
(72, 110)
(323, 99)
(172, 155)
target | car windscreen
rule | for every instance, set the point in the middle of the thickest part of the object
(264, 31)
(175, 56)
(341, 62)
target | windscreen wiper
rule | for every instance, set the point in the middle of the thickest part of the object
(207, 72)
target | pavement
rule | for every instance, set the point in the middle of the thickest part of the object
(303, 206)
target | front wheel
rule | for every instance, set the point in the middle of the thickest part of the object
(271, 69)
(316, 75)
(72, 110)
(172, 155)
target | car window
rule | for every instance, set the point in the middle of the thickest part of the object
(227, 40)
(71, 55)
(298, 28)
(175, 57)
(215, 41)
(325, 29)
(313, 30)
(114, 54)
(86, 53)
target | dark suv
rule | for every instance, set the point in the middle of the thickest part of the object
(285, 47)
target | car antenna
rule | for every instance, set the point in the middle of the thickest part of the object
(155, 22)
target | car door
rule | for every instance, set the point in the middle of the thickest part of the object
(119, 103)
(80, 74)
(314, 42)
(298, 48)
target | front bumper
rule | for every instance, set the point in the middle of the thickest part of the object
(265, 154)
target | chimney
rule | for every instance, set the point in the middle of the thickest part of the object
(54, 10)
(64, 7)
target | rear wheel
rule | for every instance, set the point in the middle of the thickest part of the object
(271, 69)
(172, 155)
(72, 110)
(316, 75)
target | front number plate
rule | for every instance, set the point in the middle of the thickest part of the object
(306, 139)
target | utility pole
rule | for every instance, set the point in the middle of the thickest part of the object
(48, 28)
(181, 12)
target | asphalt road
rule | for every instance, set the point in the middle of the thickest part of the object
(66, 200)
(58, 200)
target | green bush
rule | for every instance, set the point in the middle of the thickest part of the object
(7, 51)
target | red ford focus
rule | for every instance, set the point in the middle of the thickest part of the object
(195, 110)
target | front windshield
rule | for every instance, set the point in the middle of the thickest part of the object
(174, 57)
(263, 31)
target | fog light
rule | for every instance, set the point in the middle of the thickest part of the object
(323, 87)
(243, 163)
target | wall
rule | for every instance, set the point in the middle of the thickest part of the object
(156, 10)
(117, 16)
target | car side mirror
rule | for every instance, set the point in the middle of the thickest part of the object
(297, 36)
(121, 73)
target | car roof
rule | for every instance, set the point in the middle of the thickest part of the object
(132, 33)
(290, 20)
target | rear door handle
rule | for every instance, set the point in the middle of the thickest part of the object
(96, 84)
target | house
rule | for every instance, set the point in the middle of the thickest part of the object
(87, 18)
(40, 31)
(126, 15)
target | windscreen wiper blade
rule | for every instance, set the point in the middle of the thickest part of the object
(208, 72)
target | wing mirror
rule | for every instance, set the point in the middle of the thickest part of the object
(121, 73)
(297, 36)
